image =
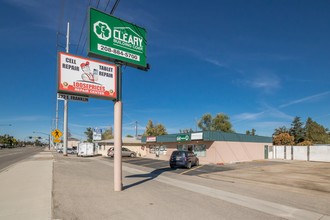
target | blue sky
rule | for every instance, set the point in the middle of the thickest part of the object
(261, 62)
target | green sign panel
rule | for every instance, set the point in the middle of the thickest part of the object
(113, 39)
(183, 137)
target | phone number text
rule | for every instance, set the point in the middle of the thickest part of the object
(118, 52)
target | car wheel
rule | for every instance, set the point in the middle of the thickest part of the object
(132, 155)
(172, 167)
(189, 165)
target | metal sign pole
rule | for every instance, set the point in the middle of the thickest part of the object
(118, 109)
(65, 129)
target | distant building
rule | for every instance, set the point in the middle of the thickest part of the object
(73, 142)
(129, 142)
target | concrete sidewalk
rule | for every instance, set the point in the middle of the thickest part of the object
(26, 187)
(48, 185)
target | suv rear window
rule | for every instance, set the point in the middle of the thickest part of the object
(178, 153)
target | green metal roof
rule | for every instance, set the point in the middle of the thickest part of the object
(214, 136)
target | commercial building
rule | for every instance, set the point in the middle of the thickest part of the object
(210, 146)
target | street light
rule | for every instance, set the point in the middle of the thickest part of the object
(44, 134)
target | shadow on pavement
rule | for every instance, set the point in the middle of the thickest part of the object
(148, 176)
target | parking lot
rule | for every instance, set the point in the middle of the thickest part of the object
(298, 174)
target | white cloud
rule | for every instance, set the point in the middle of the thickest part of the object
(266, 81)
(248, 116)
(306, 99)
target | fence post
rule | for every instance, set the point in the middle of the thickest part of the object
(308, 152)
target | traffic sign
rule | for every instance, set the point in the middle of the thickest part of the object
(57, 134)
(57, 140)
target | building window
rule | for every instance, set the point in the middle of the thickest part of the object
(199, 149)
(182, 147)
(156, 148)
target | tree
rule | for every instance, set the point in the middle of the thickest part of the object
(315, 132)
(89, 134)
(160, 130)
(252, 132)
(297, 130)
(129, 136)
(305, 143)
(186, 131)
(107, 134)
(283, 139)
(205, 123)
(154, 130)
(280, 130)
(219, 123)
(7, 140)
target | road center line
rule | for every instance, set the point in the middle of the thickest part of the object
(191, 169)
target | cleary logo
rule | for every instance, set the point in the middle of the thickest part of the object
(102, 30)
(126, 37)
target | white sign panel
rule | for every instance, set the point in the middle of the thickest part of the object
(82, 76)
(197, 136)
(97, 134)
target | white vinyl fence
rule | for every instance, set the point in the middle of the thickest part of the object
(308, 153)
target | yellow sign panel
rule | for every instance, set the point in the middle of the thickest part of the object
(57, 134)
(57, 140)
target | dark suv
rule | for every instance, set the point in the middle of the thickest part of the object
(182, 158)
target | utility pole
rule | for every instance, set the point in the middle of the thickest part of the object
(65, 129)
(136, 128)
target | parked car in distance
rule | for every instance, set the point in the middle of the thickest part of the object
(69, 151)
(182, 158)
(125, 152)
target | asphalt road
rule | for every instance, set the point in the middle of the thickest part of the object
(9, 156)
(83, 189)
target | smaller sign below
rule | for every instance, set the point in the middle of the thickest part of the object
(57, 140)
(72, 97)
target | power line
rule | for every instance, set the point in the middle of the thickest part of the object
(107, 6)
(114, 7)
(112, 11)
(82, 29)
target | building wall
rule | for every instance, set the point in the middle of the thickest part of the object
(216, 151)
(73, 143)
(138, 149)
(231, 152)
